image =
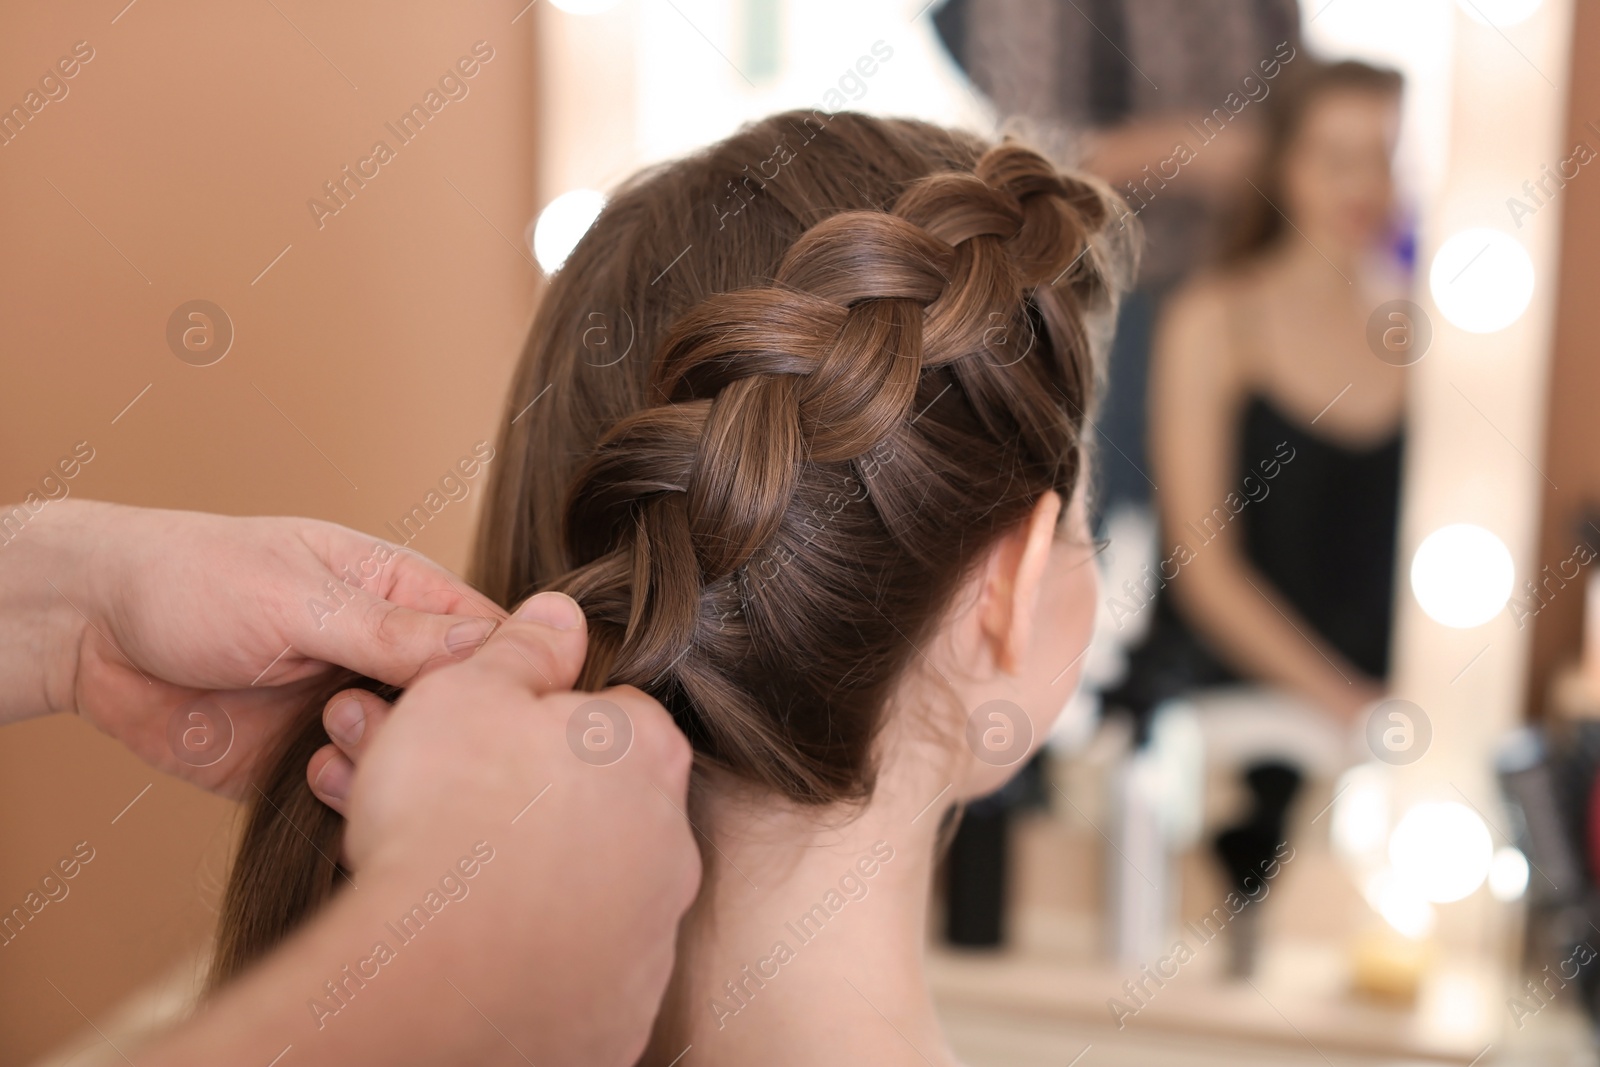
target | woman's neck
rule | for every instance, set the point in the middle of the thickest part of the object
(1320, 260)
(806, 942)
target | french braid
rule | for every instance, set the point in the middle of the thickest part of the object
(763, 396)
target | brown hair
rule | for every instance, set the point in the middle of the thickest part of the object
(1256, 221)
(762, 428)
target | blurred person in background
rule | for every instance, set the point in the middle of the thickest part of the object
(1120, 85)
(1277, 438)
(1163, 100)
(1276, 433)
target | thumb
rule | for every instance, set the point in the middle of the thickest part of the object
(392, 643)
(541, 647)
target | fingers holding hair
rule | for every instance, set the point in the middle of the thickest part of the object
(541, 647)
(352, 719)
(412, 616)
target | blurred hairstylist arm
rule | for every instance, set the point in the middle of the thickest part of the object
(1128, 154)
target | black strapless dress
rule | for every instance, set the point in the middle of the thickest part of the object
(1324, 535)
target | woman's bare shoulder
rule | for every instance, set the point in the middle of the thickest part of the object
(1202, 323)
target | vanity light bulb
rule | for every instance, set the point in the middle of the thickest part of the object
(1481, 280)
(1499, 13)
(1462, 575)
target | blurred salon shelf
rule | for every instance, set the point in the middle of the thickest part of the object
(1044, 999)
(1023, 1009)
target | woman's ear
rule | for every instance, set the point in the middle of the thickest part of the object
(1015, 572)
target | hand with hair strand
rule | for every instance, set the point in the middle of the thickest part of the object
(129, 616)
(560, 947)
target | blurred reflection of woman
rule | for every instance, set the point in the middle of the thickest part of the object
(1276, 433)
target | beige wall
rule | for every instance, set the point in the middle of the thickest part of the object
(366, 360)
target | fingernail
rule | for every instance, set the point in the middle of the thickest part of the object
(466, 636)
(334, 779)
(556, 610)
(345, 721)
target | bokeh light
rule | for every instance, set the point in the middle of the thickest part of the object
(1462, 575)
(1499, 13)
(1442, 850)
(562, 225)
(1508, 874)
(1361, 813)
(1400, 904)
(1481, 280)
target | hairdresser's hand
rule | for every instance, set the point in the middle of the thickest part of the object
(555, 884)
(177, 631)
(598, 859)
(352, 718)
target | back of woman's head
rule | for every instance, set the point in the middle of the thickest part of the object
(773, 407)
(784, 393)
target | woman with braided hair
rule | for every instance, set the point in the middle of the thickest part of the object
(818, 484)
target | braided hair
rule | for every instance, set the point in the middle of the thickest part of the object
(762, 428)
(833, 403)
